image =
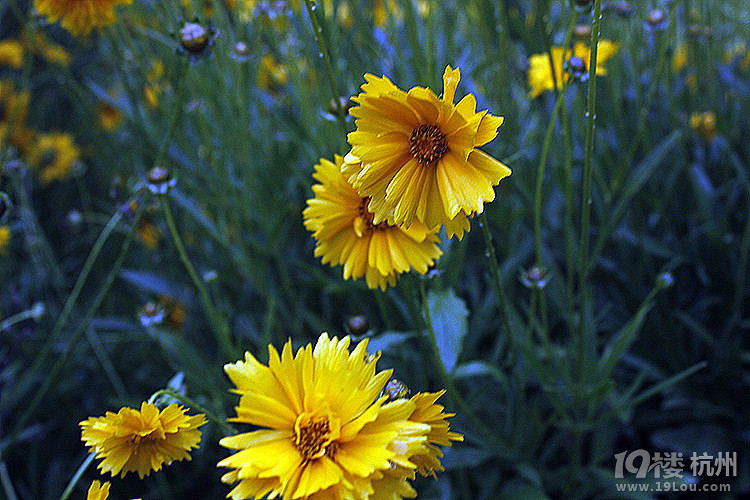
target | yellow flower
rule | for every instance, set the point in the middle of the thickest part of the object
(415, 154)
(325, 433)
(680, 58)
(346, 235)
(4, 239)
(53, 155)
(79, 16)
(14, 106)
(428, 412)
(98, 491)
(11, 53)
(141, 441)
(540, 72)
(271, 76)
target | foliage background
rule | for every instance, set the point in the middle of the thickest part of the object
(649, 351)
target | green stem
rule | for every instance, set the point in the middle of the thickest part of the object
(540, 175)
(51, 376)
(588, 161)
(77, 476)
(228, 429)
(10, 493)
(495, 270)
(312, 11)
(215, 319)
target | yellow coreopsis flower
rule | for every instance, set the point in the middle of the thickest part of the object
(98, 491)
(415, 154)
(540, 72)
(346, 235)
(141, 441)
(4, 239)
(428, 412)
(325, 431)
(11, 53)
(80, 16)
(53, 156)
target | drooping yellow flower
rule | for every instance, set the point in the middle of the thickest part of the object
(540, 72)
(4, 239)
(416, 157)
(79, 17)
(680, 58)
(346, 235)
(14, 107)
(11, 53)
(141, 441)
(325, 433)
(53, 156)
(98, 491)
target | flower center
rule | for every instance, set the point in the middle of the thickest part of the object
(428, 144)
(315, 435)
(367, 216)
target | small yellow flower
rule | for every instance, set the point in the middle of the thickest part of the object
(540, 73)
(37, 43)
(323, 431)
(141, 441)
(53, 156)
(680, 58)
(271, 75)
(98, 491)
(416, 156)
(346, 235)
(4, 239)
(11, 53)
(79, 17)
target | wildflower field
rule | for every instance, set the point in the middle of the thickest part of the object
(374, 249)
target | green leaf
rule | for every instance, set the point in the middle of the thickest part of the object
(448, 314)
(479, 369)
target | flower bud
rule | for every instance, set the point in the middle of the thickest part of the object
(357, 325)
(194, 37)
(159, 180)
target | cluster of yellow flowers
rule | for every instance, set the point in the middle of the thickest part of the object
(414, 167)
(327, 427)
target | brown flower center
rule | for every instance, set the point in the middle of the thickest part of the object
(428, 144)
(368, 217)
(315, 435)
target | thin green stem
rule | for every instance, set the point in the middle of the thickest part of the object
(228, 429)
(589, 159)
(51, 376)
(77, 476)
(312, 12)
(216, 320)
(495, 271)
(540, 175)
(10, 493)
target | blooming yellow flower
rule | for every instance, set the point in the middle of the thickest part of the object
(11, 53)
(345, 233)
(271, 75)
(428, 412)
(540, 72)
(53, 156)
(80, 16)
(98, 491)
(141, 441)
(325, 433)
(415, 154)
(4, 239)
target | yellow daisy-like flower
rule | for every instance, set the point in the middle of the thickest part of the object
(98, 491)
(540, 72)
(53, 156)
(11, 53)
(345, 233)
(325, 431)
(79, 17)
(428, 412)
(415, 154)
(141, 441)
